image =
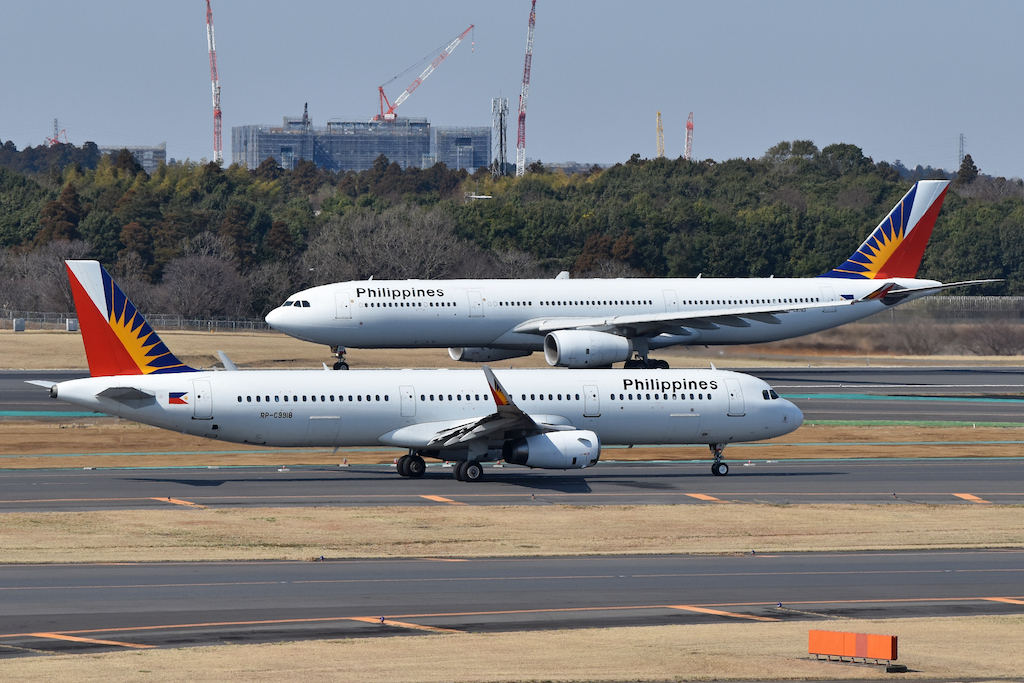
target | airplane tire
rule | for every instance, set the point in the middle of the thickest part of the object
(341, 365)
(659, 364)
(457, 470)
(415, 467)
(472, 471)
(714, 469)
(403, 466)
(723, 469)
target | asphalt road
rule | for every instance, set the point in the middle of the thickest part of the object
(897, 482)
(86, 608)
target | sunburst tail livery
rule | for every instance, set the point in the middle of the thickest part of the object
(895, 247)
(118, 341)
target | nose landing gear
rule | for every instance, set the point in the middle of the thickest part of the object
(642, 363)
(718, 468)
(339, 353)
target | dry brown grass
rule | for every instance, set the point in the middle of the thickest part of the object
(537, 529)
(112, 443)
(975, 648)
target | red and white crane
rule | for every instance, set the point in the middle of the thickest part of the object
(389, 114)
(218, 153)
(689, 137)
(521, 141)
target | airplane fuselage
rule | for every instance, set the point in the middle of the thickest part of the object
(365, 408)
(487, 313)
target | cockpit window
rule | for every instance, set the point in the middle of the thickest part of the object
(288, 303)
(773, 394)
(764, 393)
(305, 304)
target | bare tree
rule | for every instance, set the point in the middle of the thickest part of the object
(270, 284)
(516, 264)
(45, 285)
(609, 268)
(399, 243)
(204, 282)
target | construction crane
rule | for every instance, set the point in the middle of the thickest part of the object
(521, 141)
(57, 132)
(390, 114)
(660, 133)
(218, 153)
(689, 137)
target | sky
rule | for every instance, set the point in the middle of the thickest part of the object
(901, 80)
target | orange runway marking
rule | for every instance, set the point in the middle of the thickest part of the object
(704, 496)
(444, 559)
(972, 498)
(404, 624)
(720, 613)
(1009, 600)
(178, 501)
(440, 499)
(76, 639)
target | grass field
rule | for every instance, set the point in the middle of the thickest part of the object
(953, 649)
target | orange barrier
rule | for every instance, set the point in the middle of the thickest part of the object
(842, 644)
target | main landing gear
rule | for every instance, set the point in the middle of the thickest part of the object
(468, 470)
(411, 465)
(718, 468)
(639, 363)
(339, 353)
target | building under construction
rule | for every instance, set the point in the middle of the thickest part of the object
(149, 158)
(353, 145)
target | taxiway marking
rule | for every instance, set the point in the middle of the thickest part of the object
(78, 639)
(404, 624)
(442, 499)
(706, 497)
(178, 501)
(972, 498)
(720, 613)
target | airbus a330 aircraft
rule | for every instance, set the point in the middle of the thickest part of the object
(592, 323)
(552, 419)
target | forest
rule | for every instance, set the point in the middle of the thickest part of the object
(201, 240)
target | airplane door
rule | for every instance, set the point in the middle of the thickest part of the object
(736, 407)
(591, 402)
(342, 305)
(476, 305)
(828, 294)
(408, 401)
(671, 303)
(202, 400)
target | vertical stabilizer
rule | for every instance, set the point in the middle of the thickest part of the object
(118, 341)
(896, 246)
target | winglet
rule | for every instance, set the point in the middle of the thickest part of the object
(896, 246)
(118, 341)
(502, 399)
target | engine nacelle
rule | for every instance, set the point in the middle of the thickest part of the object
(573, 449)
(483, 354)
(585, 349)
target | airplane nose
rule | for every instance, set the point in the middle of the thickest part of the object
(792, 415)
(275, 318)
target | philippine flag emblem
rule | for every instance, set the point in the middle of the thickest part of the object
(178, 398)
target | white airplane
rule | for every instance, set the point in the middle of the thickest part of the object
(551, 419)
(592, 323)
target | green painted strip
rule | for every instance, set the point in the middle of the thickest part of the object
(883, 397)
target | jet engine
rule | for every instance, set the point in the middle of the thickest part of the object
(483, 354)
(571, 449)
(585, 349)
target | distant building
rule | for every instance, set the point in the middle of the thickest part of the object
(339, 146)
(149, 158)
(463, 147)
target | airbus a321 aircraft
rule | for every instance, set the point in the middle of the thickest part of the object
(592, 323)
(551, 419)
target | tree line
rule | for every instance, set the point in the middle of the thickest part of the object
(198, 239)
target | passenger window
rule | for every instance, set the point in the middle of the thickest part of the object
(248, 399)
(449, 397)
(332, 398)
(700, 397)
(367, 398)
(286, 398)
(377, 397)
(691, 397)
(630, 396)
(313, 399)
(239, 399)
(350, 399)
(559, 397)
(358, 398)
(295, 399)
(257, 399)
(423, 397)
(277, 399)
(322, 399)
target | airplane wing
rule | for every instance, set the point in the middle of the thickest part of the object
(674, 321)
(892, 289)
(460, 433)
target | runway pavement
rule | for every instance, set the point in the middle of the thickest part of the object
(897, 482)
(937, 394)
(88, 608)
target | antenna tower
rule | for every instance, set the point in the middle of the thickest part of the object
(660, 132)
(961, 161)
(218, 153)
(499, 109)
(57, 132)
(689, 137)
(390, 114)
(521, 141)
